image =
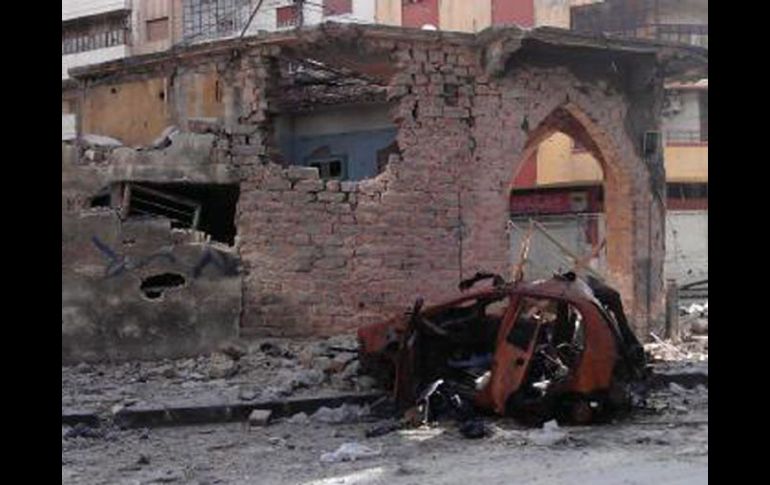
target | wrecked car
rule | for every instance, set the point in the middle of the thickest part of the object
(558, 348)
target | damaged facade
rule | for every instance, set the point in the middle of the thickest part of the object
(365, 165)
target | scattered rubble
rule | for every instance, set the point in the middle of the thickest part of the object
(689, 349)
(347, 413)
(550, 434)
(349, 452)
(260, 371)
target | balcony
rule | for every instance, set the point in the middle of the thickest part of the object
(73, 9)
(692, 34)
(679, 137)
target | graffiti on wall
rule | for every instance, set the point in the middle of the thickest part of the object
(118, 264)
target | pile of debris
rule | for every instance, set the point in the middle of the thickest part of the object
(694, 318)
(263, 370)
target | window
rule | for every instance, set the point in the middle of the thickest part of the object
(337, 7)
(209, 208)
(286, 16)
(157, 29)
(332, 168)
(685, 191)
(207, 19)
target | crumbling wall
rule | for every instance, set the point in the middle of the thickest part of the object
(321, 257)
(139, 290)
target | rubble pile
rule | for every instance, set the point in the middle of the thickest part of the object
(689, 349)
(694, 318)
(264, 370)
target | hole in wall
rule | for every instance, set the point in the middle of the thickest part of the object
(154, 286)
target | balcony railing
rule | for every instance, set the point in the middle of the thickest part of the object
(684, 33)
(686, 136)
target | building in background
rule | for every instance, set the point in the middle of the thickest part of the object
(92, 31)
(95, 31)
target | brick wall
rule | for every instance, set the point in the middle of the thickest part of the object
(327, 257)
(323, 257)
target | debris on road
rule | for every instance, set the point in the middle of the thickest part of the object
(549, 435)
(349, 452)
(347, 413)
(259, 417)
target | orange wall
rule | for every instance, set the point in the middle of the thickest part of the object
(133, 112)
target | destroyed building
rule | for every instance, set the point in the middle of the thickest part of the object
(308, 182)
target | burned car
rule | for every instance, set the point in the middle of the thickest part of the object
(558, 348)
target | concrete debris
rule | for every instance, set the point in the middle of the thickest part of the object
(222, 366)
(266, 371)
(701, 310)
(249, 394)
(347, 413)
(91, 139)
(299, 418)
(549, 435)
(676, 388)
(259, 417)
(164, 140)
(349, 452)
(690, 349)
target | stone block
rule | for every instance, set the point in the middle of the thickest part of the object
(302, 173)
(259, 417)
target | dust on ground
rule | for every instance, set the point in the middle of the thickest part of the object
(665, 444)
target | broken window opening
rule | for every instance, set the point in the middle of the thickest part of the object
(209, 208)
(154, 286)
(351, 142)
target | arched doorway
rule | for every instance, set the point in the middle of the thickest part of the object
(559, 189)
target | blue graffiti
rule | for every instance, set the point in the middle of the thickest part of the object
(119, 263)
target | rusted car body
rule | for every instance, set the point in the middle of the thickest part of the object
(552, 348)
